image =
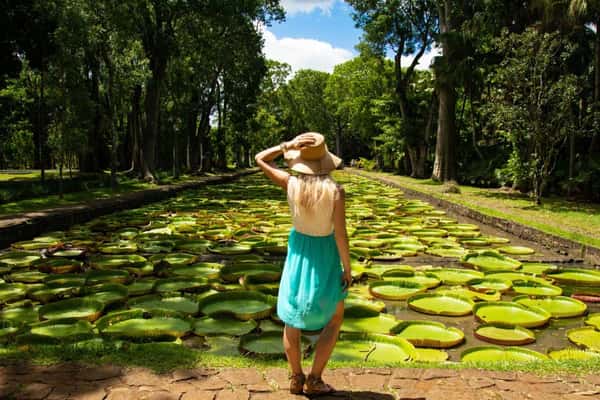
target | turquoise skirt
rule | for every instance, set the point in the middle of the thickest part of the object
(311, 283)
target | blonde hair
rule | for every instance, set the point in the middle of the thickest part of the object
(312, 189)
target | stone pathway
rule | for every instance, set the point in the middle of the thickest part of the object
(73, 381)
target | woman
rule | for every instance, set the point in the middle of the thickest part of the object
(313, 286)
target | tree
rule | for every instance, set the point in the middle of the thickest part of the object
(406, 28)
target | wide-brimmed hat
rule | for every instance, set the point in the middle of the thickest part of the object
(314, 159)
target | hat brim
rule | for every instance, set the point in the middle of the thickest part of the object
(322, 166)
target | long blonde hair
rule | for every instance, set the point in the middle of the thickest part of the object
(311, 190)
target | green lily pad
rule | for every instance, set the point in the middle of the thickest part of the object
(58, 265)
(57, 331)
(395, 289)
(116, 261)
(504, 354)
(230, 250)
(516, 250)
(374, 348)
(516, 276)
(18, 259)
(429, 334)
(119, 247)
(455, 276)
(23, 315)
(511, 313)
(155, 329)
(97, 277)
(206, 270)
(430, 355)
(141, 287)
(181, 284)
(426, 279)
(587, 337)
(450, 252)
(575, 276)
(26, 277)
(490, 261)
(11, 292)
(357, 307)
(508, 335)
(106, 293)
(557, 306)
(197, 246)
(490, 295)
(208, 326)
(383, 323)
(174, 259)
(241, 304)
(441, 304)
(535, 289)
(76, 308)
(261, 272)
(537, 268)
(486, 284)
(179, 304)
(572, 354)
(265, 345)
(593, 320)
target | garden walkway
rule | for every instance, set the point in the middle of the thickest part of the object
(72, 381)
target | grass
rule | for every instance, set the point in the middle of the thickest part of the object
(571, 220)
(165, 357)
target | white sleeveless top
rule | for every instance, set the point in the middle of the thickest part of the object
(319, 223)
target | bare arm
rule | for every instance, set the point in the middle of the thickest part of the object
(341, 235)
(264, 158)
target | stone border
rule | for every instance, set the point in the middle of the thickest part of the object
(17, 227)
(590, 254)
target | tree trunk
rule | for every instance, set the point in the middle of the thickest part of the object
(417, 155)
(444, 167)
(152, 107)
(135, 129)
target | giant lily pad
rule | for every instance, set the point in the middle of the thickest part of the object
(116, 261)
(179, 304)
(76, 308)
(516, 276)
(572, 354)
(57, 331)
(261, 272)
(504, 334)
(429, 334)
(373, 348)
(593, 320)
(357, 307)
(441, 304)
(206, 270)
(18, 259)
(116, 276)
(383, 323)
(516, 250)
(395, 289)
(230, 250)
(11, 292)
(489, 295)
(575, 276)
(181, 284)
(587, 337)
(26, 277)
(486, 284)
(25, 314)
(426, 279)
(537, 268)
(265, 344)
(207, 326)
(535, 289)
(511, 313)
(242, 304)
(450, 252)
(58, 265)
(557, 306)
(156, 329)
(455, 276)
(490, 261)
(494, 354)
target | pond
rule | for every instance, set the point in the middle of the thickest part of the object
(206, 264)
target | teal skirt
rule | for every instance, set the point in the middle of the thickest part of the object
(311, 283)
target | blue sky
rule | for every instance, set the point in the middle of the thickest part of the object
(317, 34)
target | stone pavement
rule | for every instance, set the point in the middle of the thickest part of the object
(73, 381)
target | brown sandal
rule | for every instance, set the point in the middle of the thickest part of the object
(297, 383)
(316, 386)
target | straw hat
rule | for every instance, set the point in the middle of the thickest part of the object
(314, 159)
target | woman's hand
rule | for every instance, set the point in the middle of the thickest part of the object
(347, 278)
(300, 141)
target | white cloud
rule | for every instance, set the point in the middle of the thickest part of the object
(425, 60)
(307, 6)
(303, 53)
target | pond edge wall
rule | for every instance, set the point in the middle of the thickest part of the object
(25, 226)
(589, 254)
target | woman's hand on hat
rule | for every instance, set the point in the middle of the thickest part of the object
(301, 141)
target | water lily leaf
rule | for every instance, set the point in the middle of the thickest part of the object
(511, 313)
(493, 353)
(429, 334)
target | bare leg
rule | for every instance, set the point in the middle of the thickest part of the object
(291, 344)
(327, 341)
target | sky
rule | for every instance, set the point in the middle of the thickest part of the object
(317, 34)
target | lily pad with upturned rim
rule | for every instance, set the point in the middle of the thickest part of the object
(265, 345)
(18, 259)
(242, 304)
(430, 355)
(455, 276)
(531, 288)
(155, 329)
(57, 331)
(373, 348)
(516, 250)
(509, 335)
(511, 313)
(207, 326)
(572, 354)
(489, 260)
(483, 285)
(576, 276)
(593, 320)
(429, 334)
(586, 337)
(230, 250)
(557, 306)
(395, 289)
(76, 308)
(441, 304)
(383, 323)
(537, 268)
(494, 353)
